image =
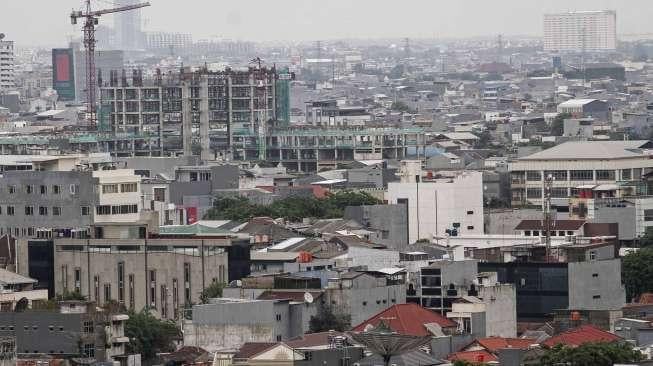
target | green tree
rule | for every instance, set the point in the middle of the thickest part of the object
(591, 354)
(70, 296)
(326, 320)
(637, 272)
(558, 124)
(149, 335)
(400, 106)
(213, 291)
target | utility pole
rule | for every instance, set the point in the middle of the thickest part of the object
(547, 218)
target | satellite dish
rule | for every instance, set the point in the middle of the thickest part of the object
(308, 298)
(2, 35)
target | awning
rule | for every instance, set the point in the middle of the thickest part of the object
(607, 187)
(586, 186)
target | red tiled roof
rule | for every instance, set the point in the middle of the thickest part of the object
(251, 349)
(581, 335)
(407, 319)
(565, 225)
(494, 344)
(473, 356)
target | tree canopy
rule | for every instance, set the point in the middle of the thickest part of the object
(149, 335)
(292, 208)
(637, 272)
(591, 354)
(211, 292)
(326, 319)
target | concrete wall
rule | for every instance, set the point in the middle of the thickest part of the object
(364, 302)
(500, 309)
(159, 165)
(587, 280)
(390, 220)
(435, 207)
(625, 217)
(69, 201)
(373, 259)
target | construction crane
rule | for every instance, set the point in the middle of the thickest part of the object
(91, 20)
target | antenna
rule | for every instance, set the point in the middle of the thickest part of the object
(308, 298)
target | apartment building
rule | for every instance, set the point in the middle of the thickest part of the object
(439, 206)
(578, 165)
(581, 30)
(119, 196)
(7, 80)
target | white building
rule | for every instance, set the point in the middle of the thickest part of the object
(575, 31)
(440, 205)
(6, 64)
(119, 193)
(576, 166)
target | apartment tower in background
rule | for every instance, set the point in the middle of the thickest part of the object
(581, 31)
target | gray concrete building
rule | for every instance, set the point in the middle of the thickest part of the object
(388, 222)
(47, 203)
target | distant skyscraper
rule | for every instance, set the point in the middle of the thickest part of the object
(127, 25)
(6, 64)
(581, 30)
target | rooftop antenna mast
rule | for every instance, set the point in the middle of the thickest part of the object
(91, 19)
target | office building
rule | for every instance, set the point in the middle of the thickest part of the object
(581, 30)
(168, 41)
(7, 81)
(578, 165)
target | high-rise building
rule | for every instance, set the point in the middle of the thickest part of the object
(128, 33)
(164, 40)
(6, 64)
(581, 31)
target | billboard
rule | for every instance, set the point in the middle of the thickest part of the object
(63, 73)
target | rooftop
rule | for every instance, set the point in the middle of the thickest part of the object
(407, 319)
(591, 150)
(581, 335)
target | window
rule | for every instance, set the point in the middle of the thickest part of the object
(556, 174)
(278, 317)
(89, 350)
(96, 288)
(582, 175)
(86, 210)
(29, 211)
(11, 189)
(626, 174)
(595, 275)
(109, 188)
(175, 298)
(470, 212)
(534, 192)
(153, 288)
(43, 189)
(128, 187)
(56, 189)
(43, 211)
(536, 233)
(527, 233)
(107, 293)
(64, 277)
(103, 210)
(10, 210)
(561, 233)
(470, 227)
(596, 297)
(559, 192)
(29, 189)
(592, 255)
(74, 188)
(605, 175)
(187, 284)
(164, 302)
(648, 215)
(533, 175)
(78, 279)
(56, 211)
(278, 338)
(89, 327)
(159, 194)
(131, 291)
(121, 282)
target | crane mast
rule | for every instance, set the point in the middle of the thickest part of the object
(90, 21)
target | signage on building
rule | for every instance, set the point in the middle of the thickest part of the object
(63, 73)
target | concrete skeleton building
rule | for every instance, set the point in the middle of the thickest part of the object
(581, 30)
(7, 76)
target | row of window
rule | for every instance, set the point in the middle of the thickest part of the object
(553, 233)
(42, 189)
(42, 210)
(118, 188)
(116, 210)
(582, 175)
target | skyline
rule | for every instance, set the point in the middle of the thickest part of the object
(305, 20)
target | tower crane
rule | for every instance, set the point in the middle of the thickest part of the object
(90, 21)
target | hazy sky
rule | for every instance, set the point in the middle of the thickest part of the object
(46, 22)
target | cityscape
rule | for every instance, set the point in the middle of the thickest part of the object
(304, 183)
